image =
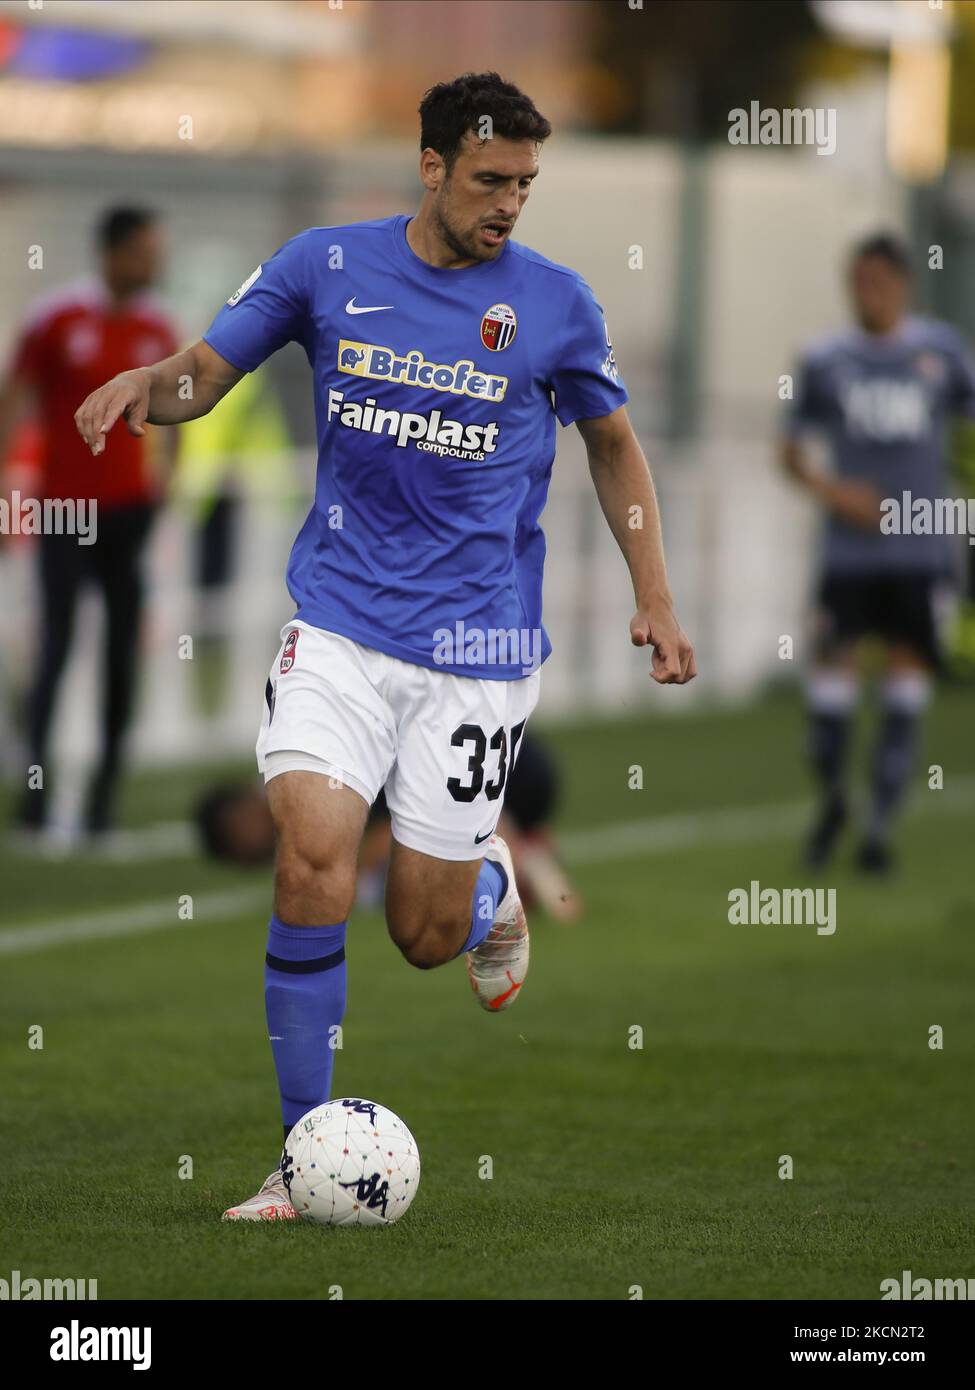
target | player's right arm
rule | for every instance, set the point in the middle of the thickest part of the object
(269, 310)
(182, 387)
(852, 501)
(857, 503)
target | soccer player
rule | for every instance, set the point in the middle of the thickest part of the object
(881, 392)
(442, 354)
(80, 334)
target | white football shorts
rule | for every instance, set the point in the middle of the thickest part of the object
(441, 745)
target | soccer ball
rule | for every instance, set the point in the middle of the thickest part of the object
(351, 1163)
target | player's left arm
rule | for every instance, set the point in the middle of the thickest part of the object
(629, 502)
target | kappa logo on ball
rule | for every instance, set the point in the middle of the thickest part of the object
(498, 327)
(288, 655)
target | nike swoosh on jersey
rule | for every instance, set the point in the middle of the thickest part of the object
(353, 308)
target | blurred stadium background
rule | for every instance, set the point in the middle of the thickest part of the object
(303, 114)
(714, 263)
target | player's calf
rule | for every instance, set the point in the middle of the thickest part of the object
(438, 910)
(429, 905)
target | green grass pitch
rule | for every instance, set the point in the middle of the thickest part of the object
(612, 1167)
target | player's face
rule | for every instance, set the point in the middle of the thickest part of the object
(137, 263)
(479, 202)
(879, 292)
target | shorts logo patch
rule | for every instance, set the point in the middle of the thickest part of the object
(498, 327)
(288, 655)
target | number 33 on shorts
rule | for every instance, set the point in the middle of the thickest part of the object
(442, 745)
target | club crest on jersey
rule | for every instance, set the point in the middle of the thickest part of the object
(498, 327)
(288, 655)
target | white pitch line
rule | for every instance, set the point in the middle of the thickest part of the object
(732, 825)
(172, 839)
(128, 921)
(659, 835)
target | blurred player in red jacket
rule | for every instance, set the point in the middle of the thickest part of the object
(76, 338)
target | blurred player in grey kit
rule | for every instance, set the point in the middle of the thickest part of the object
(882, 392)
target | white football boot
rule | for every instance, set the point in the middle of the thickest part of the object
(497, 968)
(272, 1203)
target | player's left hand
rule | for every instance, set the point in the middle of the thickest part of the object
(673, 661)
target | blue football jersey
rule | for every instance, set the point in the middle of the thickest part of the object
(436, 397)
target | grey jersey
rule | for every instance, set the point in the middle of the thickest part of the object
(884, 404)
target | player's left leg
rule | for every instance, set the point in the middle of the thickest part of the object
(428, 904)
(905, 693)
(907, 622)
(117, 560)
(832, 691)
(62, 570)
(458, 738)
(439, 909)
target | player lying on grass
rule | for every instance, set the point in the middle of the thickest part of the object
(442, 354)
(235, 825)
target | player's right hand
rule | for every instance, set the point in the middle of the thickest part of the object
(855, 502)
(126, 394)
(672, 660)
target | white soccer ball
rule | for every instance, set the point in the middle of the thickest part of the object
(351, 1163)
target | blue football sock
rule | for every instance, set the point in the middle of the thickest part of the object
(304, 997)
(491, 886)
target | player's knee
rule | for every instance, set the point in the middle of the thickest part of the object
(313, 881)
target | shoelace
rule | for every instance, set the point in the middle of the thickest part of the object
(509, 933)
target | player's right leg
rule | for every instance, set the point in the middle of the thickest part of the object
(61, 567)
(832, 693)
(324, 753)
(318, 824)
(117, 562)
(906, 621)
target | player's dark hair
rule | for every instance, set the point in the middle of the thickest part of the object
(210, 816)
(888, 247)
(118, 224)
(451, 109)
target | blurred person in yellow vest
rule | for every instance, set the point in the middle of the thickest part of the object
(242, 448)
